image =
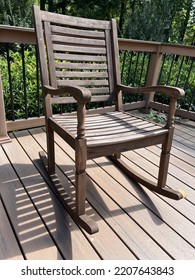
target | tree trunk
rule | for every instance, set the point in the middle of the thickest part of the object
(50, 6)
(185, 22)
(122, 16)
(42, 4)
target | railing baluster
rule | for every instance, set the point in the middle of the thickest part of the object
(189, 72)
(37, 82)
(161, 69)
(4, 138)
(24, 81)
(179, 72)
(129, 68)
(142, 69)
(123, 64)
(170, 69)
(10, 83)
(135, 71)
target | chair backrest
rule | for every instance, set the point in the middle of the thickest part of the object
(79, 52)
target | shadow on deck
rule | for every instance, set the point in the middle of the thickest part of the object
(134, 223)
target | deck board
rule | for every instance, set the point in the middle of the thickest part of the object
(9, 247)
(134, 223)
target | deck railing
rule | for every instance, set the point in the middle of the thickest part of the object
(142, 63)
(151, 63)
(4, 138)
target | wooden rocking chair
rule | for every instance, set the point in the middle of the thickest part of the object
(79, 63)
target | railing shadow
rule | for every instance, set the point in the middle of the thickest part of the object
(40, 224)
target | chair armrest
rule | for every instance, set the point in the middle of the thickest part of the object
(81, 95)
(172, 92)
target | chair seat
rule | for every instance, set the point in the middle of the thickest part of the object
(112, 127)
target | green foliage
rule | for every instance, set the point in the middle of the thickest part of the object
(175, 71)
(159, 20)
(134, 67)
(18, 13)
(24, 103)
(156, 117)
(179, 71)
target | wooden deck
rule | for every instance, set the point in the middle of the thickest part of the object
(133, 222)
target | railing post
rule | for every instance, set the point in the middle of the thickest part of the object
(4, 138)
(153, 73)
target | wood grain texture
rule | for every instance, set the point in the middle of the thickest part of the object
(32, 234)
(9, 247)
(98, 135)
(105, 238)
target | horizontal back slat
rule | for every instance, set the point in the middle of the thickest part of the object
(77, 41)
(81, 66)
(75, 21)
(79, 49)
(77, 33)
(100, 90)
(71, 74)
(82, 82)
(75, 57)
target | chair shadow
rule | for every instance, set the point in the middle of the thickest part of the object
(41, 222)
(135, 190)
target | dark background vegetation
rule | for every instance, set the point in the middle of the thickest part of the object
(158, 20)
(170, 21)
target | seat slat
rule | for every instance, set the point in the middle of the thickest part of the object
(99, 121)
(96, 118)
(104, 126)
(110, 126)
(127, 137)
(98, 125)
(116, 131)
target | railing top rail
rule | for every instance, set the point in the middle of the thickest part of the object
(15, 34)
(158, 47)
(24, 35)
(16, 28)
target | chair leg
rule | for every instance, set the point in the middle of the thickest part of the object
(163, 167)
(164, 159)
(80, 175)
(117, 156)
(50, 150)
(82, 219)
(80, 192)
